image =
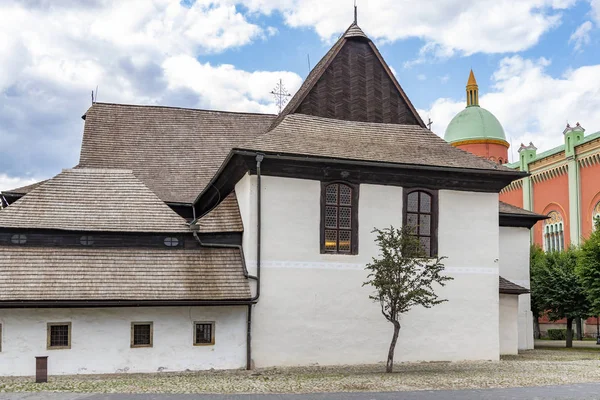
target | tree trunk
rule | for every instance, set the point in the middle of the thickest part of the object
(390, 360)
(579, 324)
(536, 327)
(569, 332)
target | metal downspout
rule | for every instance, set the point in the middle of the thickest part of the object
(259, 158)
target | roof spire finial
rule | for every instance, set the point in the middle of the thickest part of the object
(472, 91)
(355, 13)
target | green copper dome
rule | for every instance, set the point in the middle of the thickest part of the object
(474, 123)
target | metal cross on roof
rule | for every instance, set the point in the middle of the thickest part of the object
(281, 95)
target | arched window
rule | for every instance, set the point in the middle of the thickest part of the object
(554, 239)
(339, 218)
(596, 216)
(420, 212)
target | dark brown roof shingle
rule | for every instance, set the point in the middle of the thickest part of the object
(506, 208)
(224, 218)
(60, 274)
(174, 151)
(508, 287)
(105, 200)
(366, 141)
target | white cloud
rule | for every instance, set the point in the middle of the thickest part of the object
(595, 10)
(531, 104)
(421, 77)
(581, 36)
(52, 54)
(7, 182)
(448, 26)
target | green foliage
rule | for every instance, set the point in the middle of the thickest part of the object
(557, 288)
(557, 334)
(403, 276)
(537, 264)
(589, 269)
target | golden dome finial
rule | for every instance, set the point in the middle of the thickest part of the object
(472, 91)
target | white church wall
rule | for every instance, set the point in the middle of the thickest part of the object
(313, 308)
(514, 266)
(509, 329)
(101, 339)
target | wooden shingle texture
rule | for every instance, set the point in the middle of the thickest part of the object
(506, 208)
(365, 141)
(224, 218)
(174, 151)
(60, 273)
(353, 82)
(508, 287)
(105, 200)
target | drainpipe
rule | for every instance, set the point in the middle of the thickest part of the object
(259, 159)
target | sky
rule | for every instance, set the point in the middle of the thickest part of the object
(537, 62)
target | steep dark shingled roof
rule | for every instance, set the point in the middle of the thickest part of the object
(62, 273)
(106, 200)
(507, 287)
(403, 144)
(363, 72)
(174, 151)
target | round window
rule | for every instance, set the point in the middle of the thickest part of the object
(19, 239)
(171, 242)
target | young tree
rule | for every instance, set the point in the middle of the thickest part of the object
(537, 263)
(589, 269)
(560, 290)
(403, 277)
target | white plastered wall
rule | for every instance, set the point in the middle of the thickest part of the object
(514, 266)
(313, 308)
(509, 335)
(101, 339)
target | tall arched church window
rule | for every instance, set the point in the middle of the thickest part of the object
(339, 218)
(421, 212)
(596, 216)
(554, 238)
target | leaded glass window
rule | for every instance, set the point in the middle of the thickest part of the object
(339, 213)
(554, 238)
(420, 212)
(596, 216)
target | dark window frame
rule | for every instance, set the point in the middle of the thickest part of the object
(434, 214)
(353, 223)
(212, 333)
(49, 335)
(133, 325)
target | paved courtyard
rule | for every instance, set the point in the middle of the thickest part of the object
(584, 344)
(581, 391)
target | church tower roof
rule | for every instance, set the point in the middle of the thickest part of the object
(353, 82)
(475, 124)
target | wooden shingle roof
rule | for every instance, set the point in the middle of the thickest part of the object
(353, 82)
(120, 274)
(106, 200)
(508, 287)
(174, 151)
(300, 134)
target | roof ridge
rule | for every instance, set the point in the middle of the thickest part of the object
(182, 108)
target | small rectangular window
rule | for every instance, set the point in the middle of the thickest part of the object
(59, 335)
(204, 333)
(141, 334)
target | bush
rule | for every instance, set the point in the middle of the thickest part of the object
(557, 334)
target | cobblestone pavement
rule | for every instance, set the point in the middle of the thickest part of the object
(581, 391)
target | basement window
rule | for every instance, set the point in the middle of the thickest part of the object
(59, 335)
(171, 242)
(19, 238)
(141, 334)
(204, 333)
